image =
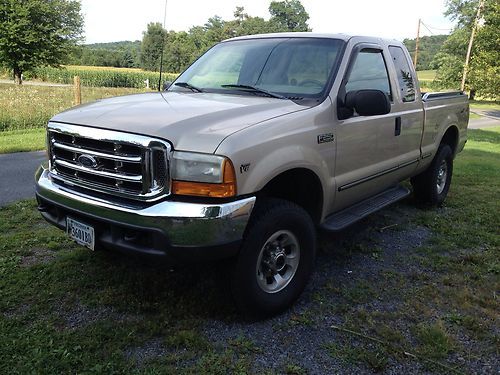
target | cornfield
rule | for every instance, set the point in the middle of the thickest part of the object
(100, 77)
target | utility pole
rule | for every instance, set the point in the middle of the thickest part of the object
(415, 59)
(471, 41)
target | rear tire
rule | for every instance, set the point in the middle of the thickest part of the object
(275, 260)
(431, 186)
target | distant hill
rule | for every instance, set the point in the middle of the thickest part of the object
(116, 46)
(427, 49)
(124, 54)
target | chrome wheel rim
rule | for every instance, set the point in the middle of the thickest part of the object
(278, 261)
(441, 176)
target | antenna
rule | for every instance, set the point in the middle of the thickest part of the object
(163, 44)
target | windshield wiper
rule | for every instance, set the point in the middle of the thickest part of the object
(188, 86)
(255, 89)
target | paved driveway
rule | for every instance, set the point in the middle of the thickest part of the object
(17, 172)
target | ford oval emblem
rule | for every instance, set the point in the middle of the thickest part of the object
(87, 161)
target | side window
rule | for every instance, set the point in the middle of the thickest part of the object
(369, 72)
(405, 78)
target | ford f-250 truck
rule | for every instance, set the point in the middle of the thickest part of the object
(259, 142)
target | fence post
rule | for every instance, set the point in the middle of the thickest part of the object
(78, 90)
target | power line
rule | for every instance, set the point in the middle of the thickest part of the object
(440, 29)
(430, 28)
(420, 22)
(427, 27)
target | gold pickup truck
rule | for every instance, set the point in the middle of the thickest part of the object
(258, 143)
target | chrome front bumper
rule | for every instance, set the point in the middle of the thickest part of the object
(182, 224)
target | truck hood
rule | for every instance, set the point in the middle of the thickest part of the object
(190, 121)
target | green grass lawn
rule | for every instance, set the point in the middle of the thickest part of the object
(426, 75)
(28, 107)
(485, 104)
(25, 111)
(22, 140)
(64, 309)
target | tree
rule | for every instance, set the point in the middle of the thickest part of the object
(37, 32)
(484, 68)
(182, 48)
(180, 52)
(152, 46)
(243, 24)
(289, 15)
(127, 60)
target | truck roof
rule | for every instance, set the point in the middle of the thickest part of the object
(344, 37)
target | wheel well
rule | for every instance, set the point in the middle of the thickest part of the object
(301, 186)
(450, 138)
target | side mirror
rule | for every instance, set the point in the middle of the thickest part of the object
(166, 85)
(368, 102)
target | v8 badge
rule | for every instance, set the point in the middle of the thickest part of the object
(244, 167)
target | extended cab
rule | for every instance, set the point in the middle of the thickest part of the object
(260, 141)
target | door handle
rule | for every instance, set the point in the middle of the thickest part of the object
(397, 128)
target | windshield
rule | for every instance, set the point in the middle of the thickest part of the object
(290, 67)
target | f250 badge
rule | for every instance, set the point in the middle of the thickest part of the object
(324, 138)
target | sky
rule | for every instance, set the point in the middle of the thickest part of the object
(117, 20)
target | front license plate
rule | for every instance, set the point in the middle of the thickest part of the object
(82, 233)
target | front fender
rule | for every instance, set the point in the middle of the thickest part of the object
(263, 151)
(280, 161)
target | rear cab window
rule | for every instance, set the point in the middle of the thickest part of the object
(404, 73)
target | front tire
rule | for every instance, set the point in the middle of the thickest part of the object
(431, 186)
(275, 260)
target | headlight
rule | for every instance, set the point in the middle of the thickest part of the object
(202, 175)
(189, 166)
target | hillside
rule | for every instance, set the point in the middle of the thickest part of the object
(428, 47)
(123, 54)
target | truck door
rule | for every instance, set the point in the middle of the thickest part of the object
(366, 145)
(409, 128)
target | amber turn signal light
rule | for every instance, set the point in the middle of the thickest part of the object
(225, 189)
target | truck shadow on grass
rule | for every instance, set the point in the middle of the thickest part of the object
(201, 289)
(359, 272)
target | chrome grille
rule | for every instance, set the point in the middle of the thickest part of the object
(106, 161)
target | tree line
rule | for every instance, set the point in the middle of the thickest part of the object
(127, 54)
(181, 48)
(37, 33)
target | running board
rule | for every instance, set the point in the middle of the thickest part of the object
(350, 215)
